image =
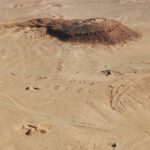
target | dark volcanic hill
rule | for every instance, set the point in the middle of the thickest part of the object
(95, 30)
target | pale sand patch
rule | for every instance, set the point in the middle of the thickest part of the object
(74, 96)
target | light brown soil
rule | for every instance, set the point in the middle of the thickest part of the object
(63, 94)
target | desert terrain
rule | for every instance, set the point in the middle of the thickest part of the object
(57, 95)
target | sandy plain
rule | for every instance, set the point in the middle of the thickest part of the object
(58, 96)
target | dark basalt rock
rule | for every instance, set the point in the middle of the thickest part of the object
(95, 30)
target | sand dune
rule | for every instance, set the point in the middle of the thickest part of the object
(57, 95)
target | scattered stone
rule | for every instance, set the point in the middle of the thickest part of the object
(92, 83)
(15, 6)
(91, 91)
(71, 81)
(27, 88)
(32, 126)
(59, 68)
(118, 73)
(30, 129)
(32, 88)
(107, 72)
(29, 132)
(111, 86)
(57, 87)
(12, 74)
(43, 131)
(114, 145)
(36, 88)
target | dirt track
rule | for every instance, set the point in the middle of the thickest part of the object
(73, 96)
